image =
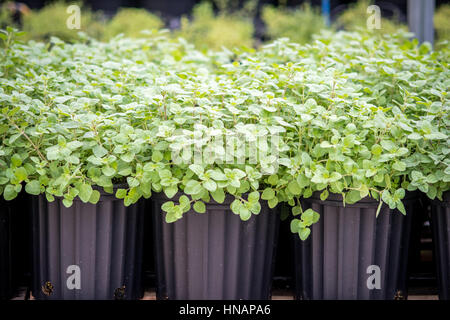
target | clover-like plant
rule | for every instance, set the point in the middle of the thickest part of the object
(350, 114)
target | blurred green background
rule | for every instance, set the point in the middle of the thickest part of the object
(209, 24)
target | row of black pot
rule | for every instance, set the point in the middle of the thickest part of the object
(95, 251)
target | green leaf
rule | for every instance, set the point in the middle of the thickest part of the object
(168, 206)
(185, 203)
(324, 195)
(379, 209)
(401, 207)
(132, 182)
(127, 157)
(193, 187)
(352, 197)
(217, 175)
(199, 207)
(21, 174)
(197, 169)
(415, 136)
(303, 181)
(108, 171)
(294, 187)
(235, 206)
(218, 195)
(255, 207)
(304, 233)
(170, 191)
(399, 193)
(308, 216)
(436, 136)
(95, 197)
(296, 210)
(67, 203)
(268, 194)
(157, 156)
(33, 187)
(386, 196)
(399, 166)
(85, 192)
(253, 196)
(388, 145)
(9, 193)
(210, 185)
(316, 217)
(363, 191)
(295, 225)
(121, 193)
(272, 203)
(99, 151)
(244, 213)
(16, 160)
(387, 179)
(273, 179)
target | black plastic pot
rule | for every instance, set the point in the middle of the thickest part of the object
(104, 240)
(440, 224)
(214, 255)
(346, 246)
(5, 250)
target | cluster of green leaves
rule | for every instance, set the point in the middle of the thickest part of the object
(132, 22)
(299, 25)
(211, 31)
(355, 114)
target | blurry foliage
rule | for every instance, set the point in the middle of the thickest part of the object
(231, 26)
(299, 25)
(6, 18)
(207, 30)
(356, 16)
(51, 21)
(130, 22)
(442, 25)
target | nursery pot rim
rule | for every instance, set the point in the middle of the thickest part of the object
(162, 196)
(336, 200)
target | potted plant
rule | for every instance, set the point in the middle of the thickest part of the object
(229, 135)
(87, 225)
(360, 155)
(87, 242)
